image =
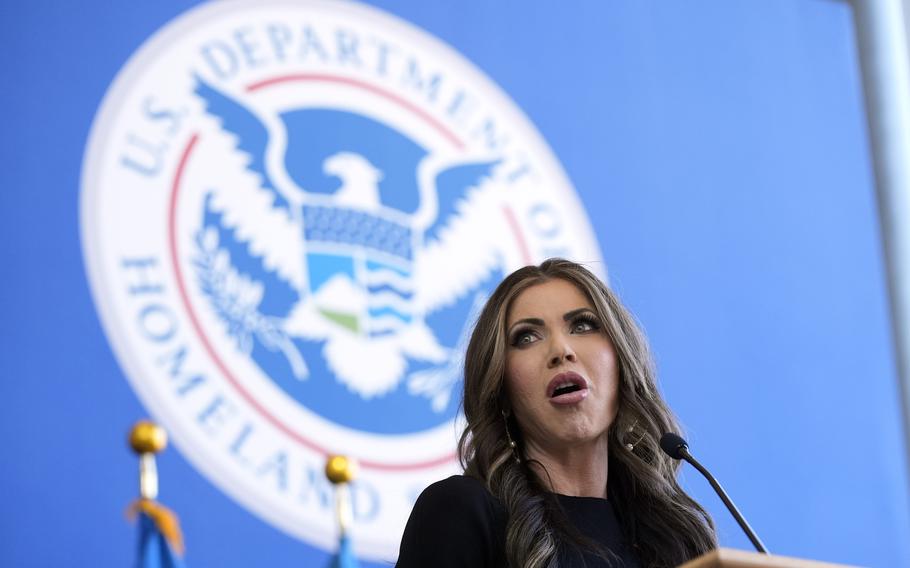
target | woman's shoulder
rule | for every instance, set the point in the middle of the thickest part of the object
(455, 522)
(458, 491)
(460, 497)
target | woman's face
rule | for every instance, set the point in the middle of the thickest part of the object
(561, 369)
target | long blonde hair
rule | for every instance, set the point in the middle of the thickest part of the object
(660, 521)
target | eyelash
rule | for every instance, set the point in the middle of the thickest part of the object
(586, 318)
(589, 319)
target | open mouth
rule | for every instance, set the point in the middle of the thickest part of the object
(567, 388)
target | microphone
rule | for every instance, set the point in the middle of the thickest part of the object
(674, 446)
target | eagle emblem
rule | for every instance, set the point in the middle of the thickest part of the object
(346, 249)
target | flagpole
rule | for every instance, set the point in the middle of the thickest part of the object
(160, 537)
(147, 439)
(341, 471)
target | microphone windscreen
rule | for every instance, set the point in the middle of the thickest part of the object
(673, 444)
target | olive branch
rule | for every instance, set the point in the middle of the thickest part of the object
(235, 299)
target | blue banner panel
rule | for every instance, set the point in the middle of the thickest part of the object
(269, 225)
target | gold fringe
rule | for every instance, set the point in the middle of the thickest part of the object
(165, 519)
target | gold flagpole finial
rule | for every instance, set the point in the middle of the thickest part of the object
(147, 439)
(341, 470)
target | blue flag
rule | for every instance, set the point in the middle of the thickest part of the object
(344, 558)
(160, 542)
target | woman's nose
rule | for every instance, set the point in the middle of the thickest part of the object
(561, 351)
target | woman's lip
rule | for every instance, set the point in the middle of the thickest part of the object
(573, 397)
(567, 377)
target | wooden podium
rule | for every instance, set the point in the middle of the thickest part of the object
(729, 558)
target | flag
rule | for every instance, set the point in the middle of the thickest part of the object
(160, 540)
(344, 558)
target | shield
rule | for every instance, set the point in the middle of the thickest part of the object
(359, 266)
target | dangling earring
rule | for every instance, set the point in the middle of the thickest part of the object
(512, 444)
(631, 446)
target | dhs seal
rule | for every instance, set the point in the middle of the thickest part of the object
(291, 214)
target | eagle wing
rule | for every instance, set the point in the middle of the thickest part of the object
(462, 246)
(245, 195)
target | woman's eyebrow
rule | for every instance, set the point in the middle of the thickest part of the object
(532, 321)
(573, 313)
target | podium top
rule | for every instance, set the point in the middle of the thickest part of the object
(728, 558)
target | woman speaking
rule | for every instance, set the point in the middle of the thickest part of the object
(561, 455)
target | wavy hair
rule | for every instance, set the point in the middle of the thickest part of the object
(664, 526)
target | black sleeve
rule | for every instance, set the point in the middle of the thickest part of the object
(455, 523)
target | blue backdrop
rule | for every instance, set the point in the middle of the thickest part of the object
(721, 152)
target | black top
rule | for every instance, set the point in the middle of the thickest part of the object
(457, 523)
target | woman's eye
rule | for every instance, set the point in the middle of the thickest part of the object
(523, 338)
(584, 325)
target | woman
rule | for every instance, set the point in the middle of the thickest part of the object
(561, 450)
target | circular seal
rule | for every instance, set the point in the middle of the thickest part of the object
(291, 213)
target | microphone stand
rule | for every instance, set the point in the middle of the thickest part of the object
(756, 542)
